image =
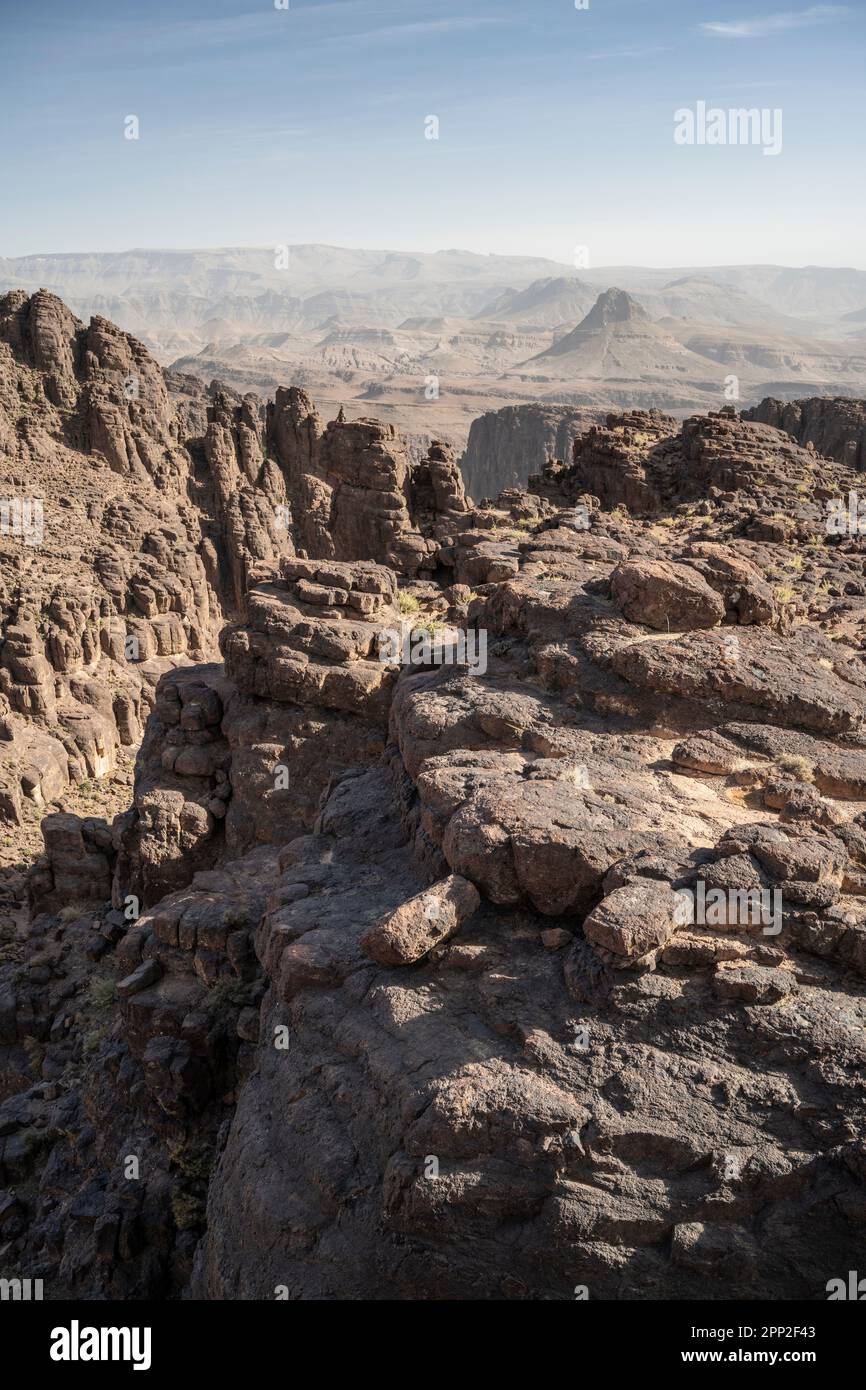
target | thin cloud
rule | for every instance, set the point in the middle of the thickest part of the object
(425, 27)
(611, 54)
(764, 25)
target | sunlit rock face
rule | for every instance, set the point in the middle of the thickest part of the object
(401, 974)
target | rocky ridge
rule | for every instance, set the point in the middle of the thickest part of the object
(128, 538)
(834, 426)
(414, 1010)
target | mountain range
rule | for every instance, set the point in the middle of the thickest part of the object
(437, 339)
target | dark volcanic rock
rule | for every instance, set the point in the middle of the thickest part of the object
(533, 959)
(834, 426)
(506, 446)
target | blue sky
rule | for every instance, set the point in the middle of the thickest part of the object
(260, 126)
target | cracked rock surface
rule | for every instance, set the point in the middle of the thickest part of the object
(425, 978)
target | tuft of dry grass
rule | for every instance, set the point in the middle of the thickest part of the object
(72, 911)
(797, 765)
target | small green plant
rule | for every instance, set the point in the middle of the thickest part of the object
(192, 1160)
(102, 993)
(226, 995)
(784, 593)
(92, 1040)
(187, 1209)
(407, 603)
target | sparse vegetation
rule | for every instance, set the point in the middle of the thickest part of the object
(187, 1209)
(102, 993)
(407, 603)
(192, 1160)
(92, 1040)
(73, 911)
(226, 996)
(797, 765)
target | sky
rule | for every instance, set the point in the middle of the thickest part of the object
(260, 125)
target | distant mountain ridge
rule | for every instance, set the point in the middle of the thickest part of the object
(547, 303)
(172, 299)
(439, 339)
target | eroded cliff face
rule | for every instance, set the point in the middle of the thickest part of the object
(128, 538)
(423, 998)
(124, 551)
(506, 446)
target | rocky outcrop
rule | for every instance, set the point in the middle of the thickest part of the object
(835, 426)
(551, 787)
(665, 596)
(124, 551)
(355, 493)
(749, 478)
(128, 539)
(428, 976)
